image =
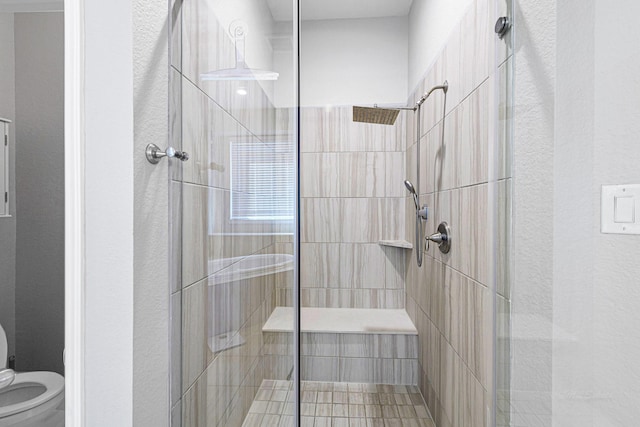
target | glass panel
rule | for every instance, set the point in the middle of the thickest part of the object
(575, 294)
(501, 215)
(392, 327)
(233, 111)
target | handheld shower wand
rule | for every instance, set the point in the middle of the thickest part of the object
(412, 190)
(421, 214)
(388, 116)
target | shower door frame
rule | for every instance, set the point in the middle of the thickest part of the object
(74, 129)
(98, 331)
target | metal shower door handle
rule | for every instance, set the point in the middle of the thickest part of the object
(154, 154)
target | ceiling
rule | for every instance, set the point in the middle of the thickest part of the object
(311, 10)
(31, 6)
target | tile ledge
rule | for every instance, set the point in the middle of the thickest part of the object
(403, 244)
(343, 320)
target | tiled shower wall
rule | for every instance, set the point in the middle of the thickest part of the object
(214, 385)
(352, 196)
(465, 180)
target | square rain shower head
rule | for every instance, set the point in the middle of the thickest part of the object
(379, 116)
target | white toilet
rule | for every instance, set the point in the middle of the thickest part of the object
(32, 399)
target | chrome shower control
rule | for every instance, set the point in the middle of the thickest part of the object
(154, 154)
(442, 238)
(503, 25)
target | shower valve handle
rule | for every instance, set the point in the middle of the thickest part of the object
(438, 238)
(442, 238)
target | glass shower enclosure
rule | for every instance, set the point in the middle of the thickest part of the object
(234, 200)
(296, 298)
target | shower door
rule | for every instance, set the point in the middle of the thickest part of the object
(233, 92)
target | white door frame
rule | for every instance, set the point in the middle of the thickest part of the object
(74, 131)
(99, 213)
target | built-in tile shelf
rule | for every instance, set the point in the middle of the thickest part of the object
(403, 244)
(343, 321)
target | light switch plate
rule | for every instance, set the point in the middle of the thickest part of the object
(620, 213)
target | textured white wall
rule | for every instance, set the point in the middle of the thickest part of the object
(109, 214)
(576, 294)
(151, 226)
(353, 61)
(8, 225)
(598, 84)
(430, 25)
(534, 124)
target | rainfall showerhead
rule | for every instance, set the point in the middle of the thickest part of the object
(379, 116)
(412, 190)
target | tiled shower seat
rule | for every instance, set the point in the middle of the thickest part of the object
(345, 345)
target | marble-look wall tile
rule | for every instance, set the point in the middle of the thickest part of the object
(176, 414)
(503, 360)
(394, 168)
(473, 146)
(361, 266)
(320, 265)
(445, 68)
(175, 45)
(503, 265)
(333, 129)
(478, 46)
(320, 345)
(505, 120)
(216, 51)
(195, 250)
(450, 298)
(395, 267)
(175, 243)
(175, 121)
(210, 240)
(400, 142)
(194, 332)
(176, 349)
(473, 237)
(341, 220)
(324, 130)
(347, 298)
(319, 368)
(379, 371)
(208, 133)
(452, 71)
(204, 231)
(362, 174)
(319, 175)
(378, 346)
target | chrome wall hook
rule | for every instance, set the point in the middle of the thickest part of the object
(154, 154)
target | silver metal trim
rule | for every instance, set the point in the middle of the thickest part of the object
(442, 238)
(154, 154)
(443, 87)
(502, 27)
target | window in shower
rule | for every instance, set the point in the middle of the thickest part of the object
(262, 181)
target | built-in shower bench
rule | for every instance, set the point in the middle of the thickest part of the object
(345, 344)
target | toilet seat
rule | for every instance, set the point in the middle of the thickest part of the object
(53, 394)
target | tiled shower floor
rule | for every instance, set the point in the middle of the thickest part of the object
(327, 404)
